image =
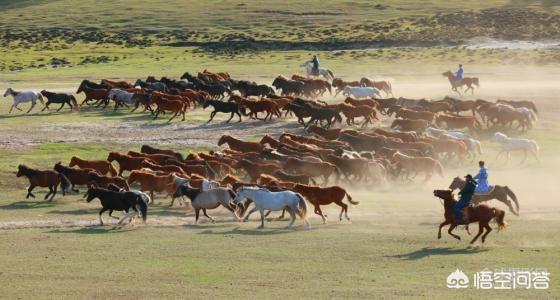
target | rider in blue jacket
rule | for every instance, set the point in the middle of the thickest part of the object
(315, 62)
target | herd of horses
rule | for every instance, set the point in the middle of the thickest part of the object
(289, 171)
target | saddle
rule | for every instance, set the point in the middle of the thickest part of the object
(485, 193)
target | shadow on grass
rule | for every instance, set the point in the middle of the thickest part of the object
(208, 229)
(429, 251)
(28, 204)
(75, 212)
(95, 229)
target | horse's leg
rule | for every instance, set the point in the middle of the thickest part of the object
(63, 106)
(54, 192)
(196, 214)
(488, 229)
(292, 212)
(32, 105)
(74, 189)
(231, 117)
(524, 157)
(480, 230)
(49, 193)
(320, 213)
(31, 187)
(212, 114)
(249, 213)
(343, 208)
(206, 215)
(46, 106)
(111, 214)
(101, 215)
(261, 211)
(450, 231)
(446, 222)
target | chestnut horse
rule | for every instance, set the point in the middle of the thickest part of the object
(482, 214)
(50, 179)
(318, 196)
(267, 106)
(239, 145)
(101, 166)
(499, 193)
(327, 134)
(126, 162)
(312, 169)
(414, 165)
(150, 182)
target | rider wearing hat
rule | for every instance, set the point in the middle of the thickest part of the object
(466, 194)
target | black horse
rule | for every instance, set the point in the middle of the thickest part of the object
(60, 98)
(158, 86)
(288, 87)
(180, 85)
(93, 85)
(223, 107)
(252, 89)
(123, 201)
(320, 114)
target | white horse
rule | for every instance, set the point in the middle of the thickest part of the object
(511, 144)
(120, 97)
(210, 199)
(273, 201)
(322, 71)
(529, 114)
(179, 181)
(360, 92)
(23, 97)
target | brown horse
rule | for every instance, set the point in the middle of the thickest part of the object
(415, 165)
(359, 102)
(351, 112)
(93, 94)
(468, 81)
(177, 107)
(240, 145)
(499, 193)
(318, 196)
(150, 182)
(312, 169)
(409, 136)
(407, 113)
(76, 176)
(482, 214)
(50, 179)
(410, 125)
(328, 134)
(268, 106)
(521, 103)
(101, 166)
(254, 170)
(103, 181)
(117, 84)
(126, 162)
(384, 86)
(458, 122)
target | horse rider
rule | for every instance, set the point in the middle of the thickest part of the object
(315, 62)
(466, 194)
(481, 178)
(459, 74)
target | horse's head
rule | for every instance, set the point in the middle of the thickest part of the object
(138, 82)
(21, 170)
(73, 161)
(446, 195)
(9, 91)
(447, 74)
(112, 156)
(457, 183)
(223, 139)
(90, 194)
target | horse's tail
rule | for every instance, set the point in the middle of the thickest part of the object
(499, 215)
(302, 207)
(535, 147)
(64, 183)
(533, 115)
(74, 102)
(112, 170)
(475, 81)
(143, 206)
(439, 168)
(330, 73)
(349, 198)
(513, 197)
(534, 108)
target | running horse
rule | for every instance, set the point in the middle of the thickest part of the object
(499, 192)
(482, 214)
(468, 81)
(23, 97)
(328, 74)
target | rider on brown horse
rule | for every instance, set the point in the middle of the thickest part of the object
(466, 193)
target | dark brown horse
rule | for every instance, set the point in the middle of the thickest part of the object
(50, 179)
(499, 193)
(482, 214)
(468, 81)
